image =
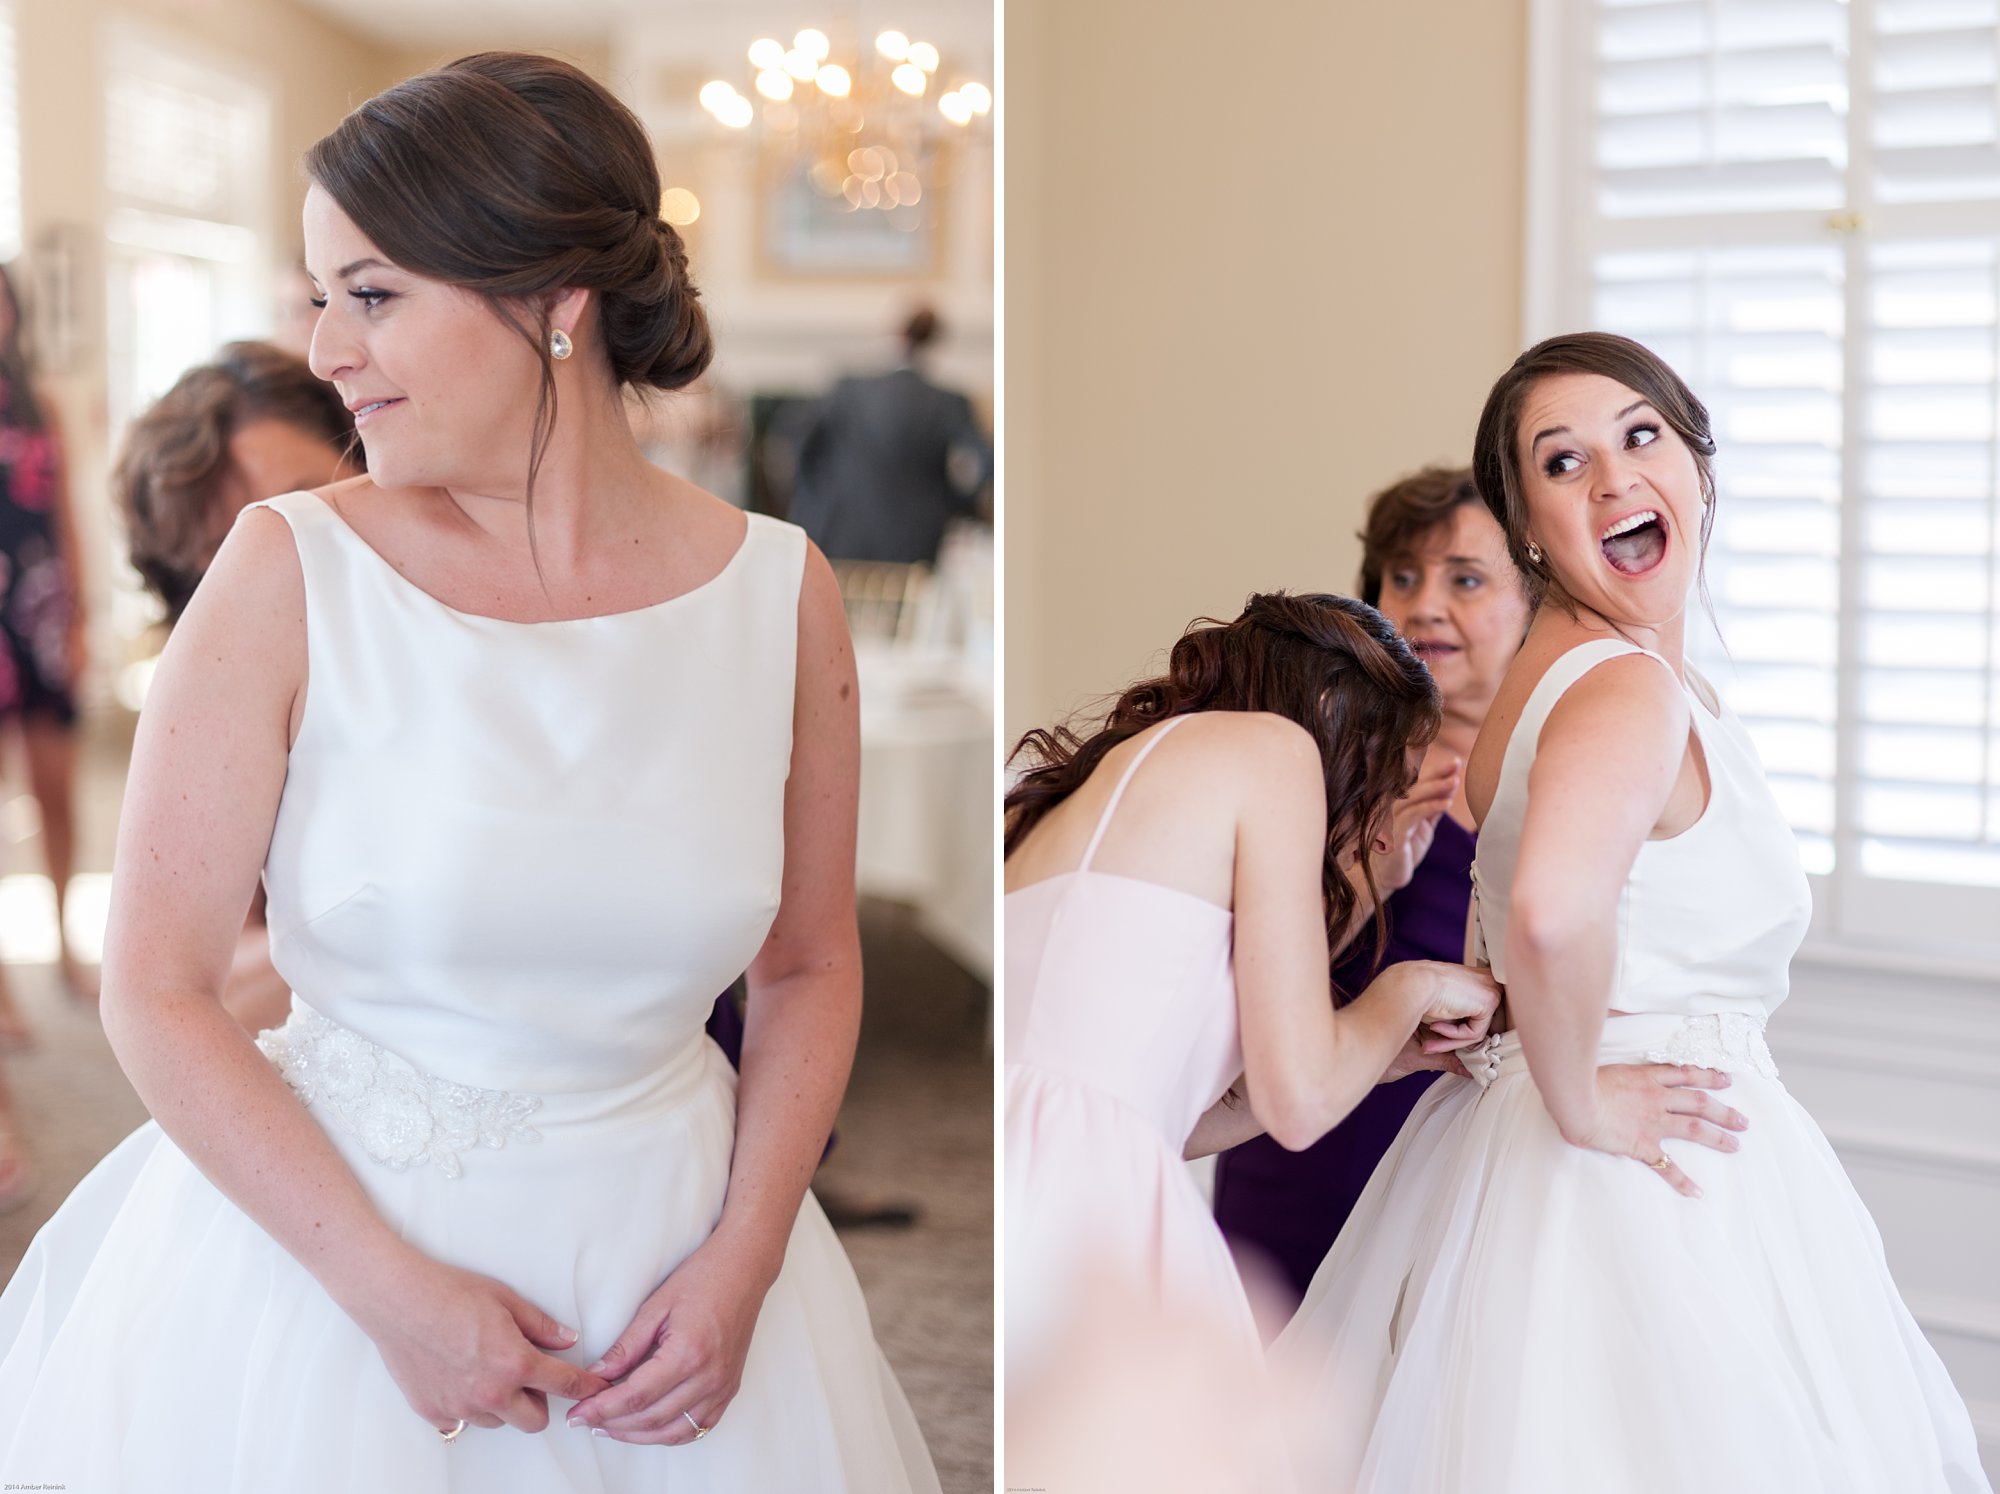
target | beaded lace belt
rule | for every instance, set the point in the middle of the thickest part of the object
(1717, 1040)
(401, 1116)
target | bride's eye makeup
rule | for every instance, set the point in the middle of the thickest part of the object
(1648, 430)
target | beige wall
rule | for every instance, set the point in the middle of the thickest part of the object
(1259, 261)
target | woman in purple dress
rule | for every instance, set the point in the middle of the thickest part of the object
(1436, 564)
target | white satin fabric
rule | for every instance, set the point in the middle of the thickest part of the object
(1505, 1313)
(513, 866)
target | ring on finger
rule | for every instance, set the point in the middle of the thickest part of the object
(700, 1431)
(1663, 1164)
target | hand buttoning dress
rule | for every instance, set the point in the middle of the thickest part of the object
(512, 866)
(1505, 1313)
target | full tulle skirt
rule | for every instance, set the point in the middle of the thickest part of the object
(155, 1339)
(1508, 1314)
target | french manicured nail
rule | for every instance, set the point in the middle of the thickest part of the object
(598, 1368)
(576, 1421)
(599, 1432)
(565, 1333)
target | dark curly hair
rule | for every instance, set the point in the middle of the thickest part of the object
(170, 472)
(1332, 664)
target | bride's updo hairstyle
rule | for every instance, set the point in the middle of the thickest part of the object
(1332, 664)
(520, 177)
(1496, 449)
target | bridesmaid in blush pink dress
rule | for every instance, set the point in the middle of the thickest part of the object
(1177, 880)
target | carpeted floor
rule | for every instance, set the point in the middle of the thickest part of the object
(916, 1130)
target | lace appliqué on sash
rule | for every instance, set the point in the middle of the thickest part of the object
(401, 1116)
(1719, 1040)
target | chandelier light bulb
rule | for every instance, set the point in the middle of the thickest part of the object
(977, 96)
(766, 52)
(813, 43)
(954, 108)
(909, 191)
(924, 55)
(774, 84)
(736, 111)
(713, 94)
(800, 66)
(679, 206)
(910, 78)
(893, 45)
(834, 81)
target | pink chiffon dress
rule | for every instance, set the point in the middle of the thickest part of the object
(1121, 1032)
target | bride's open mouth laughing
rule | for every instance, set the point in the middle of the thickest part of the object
(1636, 544)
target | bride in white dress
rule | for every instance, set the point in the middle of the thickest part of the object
(1516, 1306)
(525, 796)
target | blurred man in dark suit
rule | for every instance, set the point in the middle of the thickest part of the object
(889, 461)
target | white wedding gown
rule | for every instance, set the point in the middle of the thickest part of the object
(1508, 1314)
(513, 865)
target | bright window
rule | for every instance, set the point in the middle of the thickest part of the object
(187, 151)
(1797, 204)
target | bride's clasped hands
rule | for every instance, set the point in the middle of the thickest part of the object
(678, 1364)
(462, 1346)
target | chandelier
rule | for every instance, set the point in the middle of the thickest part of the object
(869, 130)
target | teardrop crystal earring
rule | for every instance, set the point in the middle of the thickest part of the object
(559, 344)
(1534, 552)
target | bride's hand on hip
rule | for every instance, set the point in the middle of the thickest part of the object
(464, 1346)
(1641, 1105)
(680, 1362)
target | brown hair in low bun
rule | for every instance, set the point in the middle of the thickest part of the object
(1332, 664)
(520, 177)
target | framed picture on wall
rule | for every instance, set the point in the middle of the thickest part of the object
(806, 232)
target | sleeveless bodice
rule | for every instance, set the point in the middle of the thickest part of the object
(1124, 986)
(1708, 920)
(528, 855)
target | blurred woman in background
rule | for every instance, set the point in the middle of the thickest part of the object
(41, 624)
(254, 423)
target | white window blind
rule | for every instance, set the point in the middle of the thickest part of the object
(187, 152)
(1797, 204)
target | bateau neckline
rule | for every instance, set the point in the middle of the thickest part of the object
(729, 565)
